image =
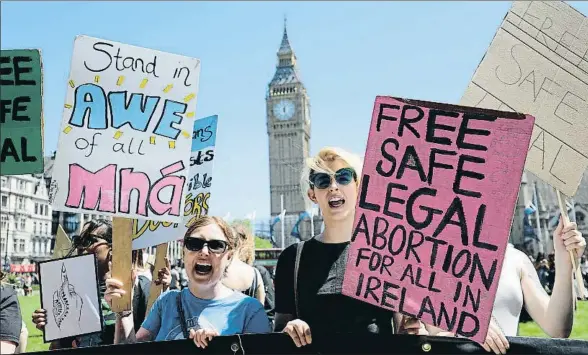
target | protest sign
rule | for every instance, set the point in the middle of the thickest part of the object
(196, 193)
(538, 63)
(70, 295)
(434, 211)
(21, 110)
(124, 145)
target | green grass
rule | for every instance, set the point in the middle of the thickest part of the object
(27, 307)
(529, 329)
(580, 330)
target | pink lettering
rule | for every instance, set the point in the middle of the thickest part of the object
(130, 181)
(176, 183)
(96, 188)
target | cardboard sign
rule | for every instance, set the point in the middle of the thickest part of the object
(124, 145)
(538, 63)
(434, 211)
(70, 295)
(196, 194)
(21, 110)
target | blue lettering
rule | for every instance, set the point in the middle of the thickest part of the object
(90, 102)
(171, 115)
(136, 112)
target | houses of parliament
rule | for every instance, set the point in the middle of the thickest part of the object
(288, 115)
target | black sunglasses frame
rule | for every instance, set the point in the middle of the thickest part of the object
(189, 243)
(337, 174)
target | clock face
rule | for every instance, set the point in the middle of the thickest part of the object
(284, 110)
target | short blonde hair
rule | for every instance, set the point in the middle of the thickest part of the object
(319, 164)
(246, 243)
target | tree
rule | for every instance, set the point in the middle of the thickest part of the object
(260, 243)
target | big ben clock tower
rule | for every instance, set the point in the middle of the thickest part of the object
(288, 128)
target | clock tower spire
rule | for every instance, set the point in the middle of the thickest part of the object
(288, 128)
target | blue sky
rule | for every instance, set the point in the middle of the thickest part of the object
(348, 52)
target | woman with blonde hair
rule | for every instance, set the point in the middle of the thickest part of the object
(241, 275)
(205, 309)
(309, 275)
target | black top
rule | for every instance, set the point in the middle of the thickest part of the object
(320, 282)
(10, 316)
(268, 283)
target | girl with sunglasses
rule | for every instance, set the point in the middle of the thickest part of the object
(309, 275)
(205, 309)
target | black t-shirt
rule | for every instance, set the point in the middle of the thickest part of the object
(320, 281)
(10, 317)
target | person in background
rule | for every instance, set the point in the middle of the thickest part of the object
(175, 278)
(10, 319)
(240, 275)
(28, 285)
(207, 308)
(543, 274)
(183, 276)
(584, 268)
(309, 275)
(519, 286)
(96, 238)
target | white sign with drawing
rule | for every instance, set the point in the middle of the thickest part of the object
(70, 295)
(537, 64)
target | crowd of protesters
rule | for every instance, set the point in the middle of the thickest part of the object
(216, 289)
(546, 271)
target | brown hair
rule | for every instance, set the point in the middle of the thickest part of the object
(247, 247)
(224, 226)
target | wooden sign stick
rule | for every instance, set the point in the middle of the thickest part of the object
(122, 232)
(575, 268)
(155, 291)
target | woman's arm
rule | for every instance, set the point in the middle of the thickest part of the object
(260, 292)
(554, 315)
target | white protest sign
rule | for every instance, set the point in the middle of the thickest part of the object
(196, 194)
(537, 63)
(125, 139)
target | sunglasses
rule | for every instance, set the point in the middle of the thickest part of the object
(85, 242)
(323, 180)
(197, 244)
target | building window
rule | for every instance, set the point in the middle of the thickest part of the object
(36, 208)
(23, 224)
(4, 201)
(22, 246)
(34, 227)
(21, 203)
(22, 185)
(14, 245)
(46, 210)
(2, 246)
(4, 182)
(41, 207)
(46, 228)
(4, 223)
(33, 246)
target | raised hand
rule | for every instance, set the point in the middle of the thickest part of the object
(39, 318)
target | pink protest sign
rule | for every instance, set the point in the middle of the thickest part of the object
(434, 211)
